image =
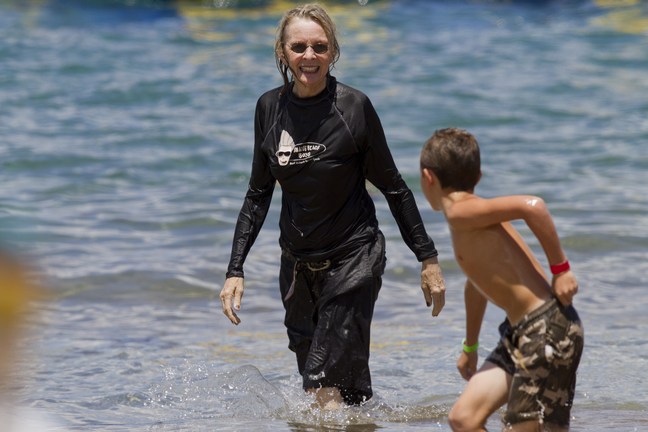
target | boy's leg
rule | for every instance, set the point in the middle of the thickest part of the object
(486, 391)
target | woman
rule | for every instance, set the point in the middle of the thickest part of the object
(321, 140)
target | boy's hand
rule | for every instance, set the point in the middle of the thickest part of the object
(433, 285)
(230, 297)
(467, 364)
(565, 287)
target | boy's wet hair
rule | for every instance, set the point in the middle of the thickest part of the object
(453, 155)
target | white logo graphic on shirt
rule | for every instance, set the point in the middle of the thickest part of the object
(286, 146)
(290, 153)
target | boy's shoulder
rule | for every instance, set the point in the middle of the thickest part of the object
(462, 209)
(468, 210)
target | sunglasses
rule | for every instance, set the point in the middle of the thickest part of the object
(283, 153)
(301, 47)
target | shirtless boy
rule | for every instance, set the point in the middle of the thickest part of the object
(533, 368)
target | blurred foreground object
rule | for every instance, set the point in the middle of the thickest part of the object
(16, 294)
(18, 291)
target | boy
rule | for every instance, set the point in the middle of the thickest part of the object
(533, 368)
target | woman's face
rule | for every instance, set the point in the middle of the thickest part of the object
(310, 66)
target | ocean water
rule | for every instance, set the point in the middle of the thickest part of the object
(125, 148)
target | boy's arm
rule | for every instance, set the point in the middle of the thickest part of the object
(480, 213)
(475, 308)
(564, 283)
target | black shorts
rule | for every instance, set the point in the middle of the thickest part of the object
(328, 317)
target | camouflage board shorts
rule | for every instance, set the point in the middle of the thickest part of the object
(542, 353)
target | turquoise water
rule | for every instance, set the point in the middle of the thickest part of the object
(125, 146)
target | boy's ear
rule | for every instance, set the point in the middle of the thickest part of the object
(479, 178)
(429, 176)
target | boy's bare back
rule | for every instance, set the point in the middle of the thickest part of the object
(495, 258)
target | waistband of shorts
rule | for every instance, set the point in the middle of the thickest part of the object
(302, 260)
(537, 313)
(332, 256)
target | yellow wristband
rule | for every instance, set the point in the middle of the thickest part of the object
(469, 348)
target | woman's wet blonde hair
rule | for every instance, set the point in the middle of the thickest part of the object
(313, 12)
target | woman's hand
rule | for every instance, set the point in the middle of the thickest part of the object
(433, 285)
(230, 296)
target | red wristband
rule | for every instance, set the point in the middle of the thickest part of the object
(559, 268)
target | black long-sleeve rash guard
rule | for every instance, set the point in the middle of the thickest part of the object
(321, 150)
